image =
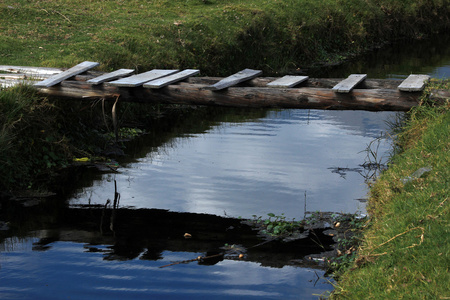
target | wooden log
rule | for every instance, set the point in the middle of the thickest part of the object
(78, 69)
(257, 97)
(6, 83)
(110, 76)
(34, 71)
(140, 79)
(346, 85)
(234, 79)
(259, 81)
(264, 81)
(287, 81)
(12, 76)
(162, 82)
(414, 83)
(311, 82)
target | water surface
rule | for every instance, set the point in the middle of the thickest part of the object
(68, 270)
(255, 167)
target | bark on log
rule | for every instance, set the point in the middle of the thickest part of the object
(257, 97)
(263, 81)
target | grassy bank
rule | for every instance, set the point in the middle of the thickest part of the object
(39, 137)
(28, 143)
(215, 36)
(406, 249)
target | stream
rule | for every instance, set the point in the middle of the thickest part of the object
(182, 189)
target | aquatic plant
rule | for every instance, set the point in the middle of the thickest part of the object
(277, 226)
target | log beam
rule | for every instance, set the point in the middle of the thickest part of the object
(257, 97)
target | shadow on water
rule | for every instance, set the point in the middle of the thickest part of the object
(147, 233)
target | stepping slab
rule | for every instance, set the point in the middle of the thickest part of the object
(346, 85)
(234, 79)
(78, 69)
(414, 83)
(140, 79)
(110, 76)
(287, 81)
(161, 82)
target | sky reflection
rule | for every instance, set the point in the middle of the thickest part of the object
(255, 167)
(66, 269)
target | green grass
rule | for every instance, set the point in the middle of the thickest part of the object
(28, 143)
(38, 137)
(406, 250)
(215, 36)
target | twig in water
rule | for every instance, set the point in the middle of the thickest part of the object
(304, 212)
(103, 215)
(115, 206)
(200, 258)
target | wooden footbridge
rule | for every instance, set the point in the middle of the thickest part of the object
(243, 89)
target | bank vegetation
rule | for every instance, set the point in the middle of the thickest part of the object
(406, 247)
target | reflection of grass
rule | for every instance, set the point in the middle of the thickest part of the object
(215, 36)
(405, 249)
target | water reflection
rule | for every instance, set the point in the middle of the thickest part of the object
(67, 270)
(254, 167)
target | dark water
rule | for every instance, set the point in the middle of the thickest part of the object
(196, 177)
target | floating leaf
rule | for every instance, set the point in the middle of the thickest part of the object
(82, 159)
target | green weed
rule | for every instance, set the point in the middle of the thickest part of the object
(277, 226)
(38, 137)
(29, 144)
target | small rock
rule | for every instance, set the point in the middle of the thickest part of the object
(4, 225)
